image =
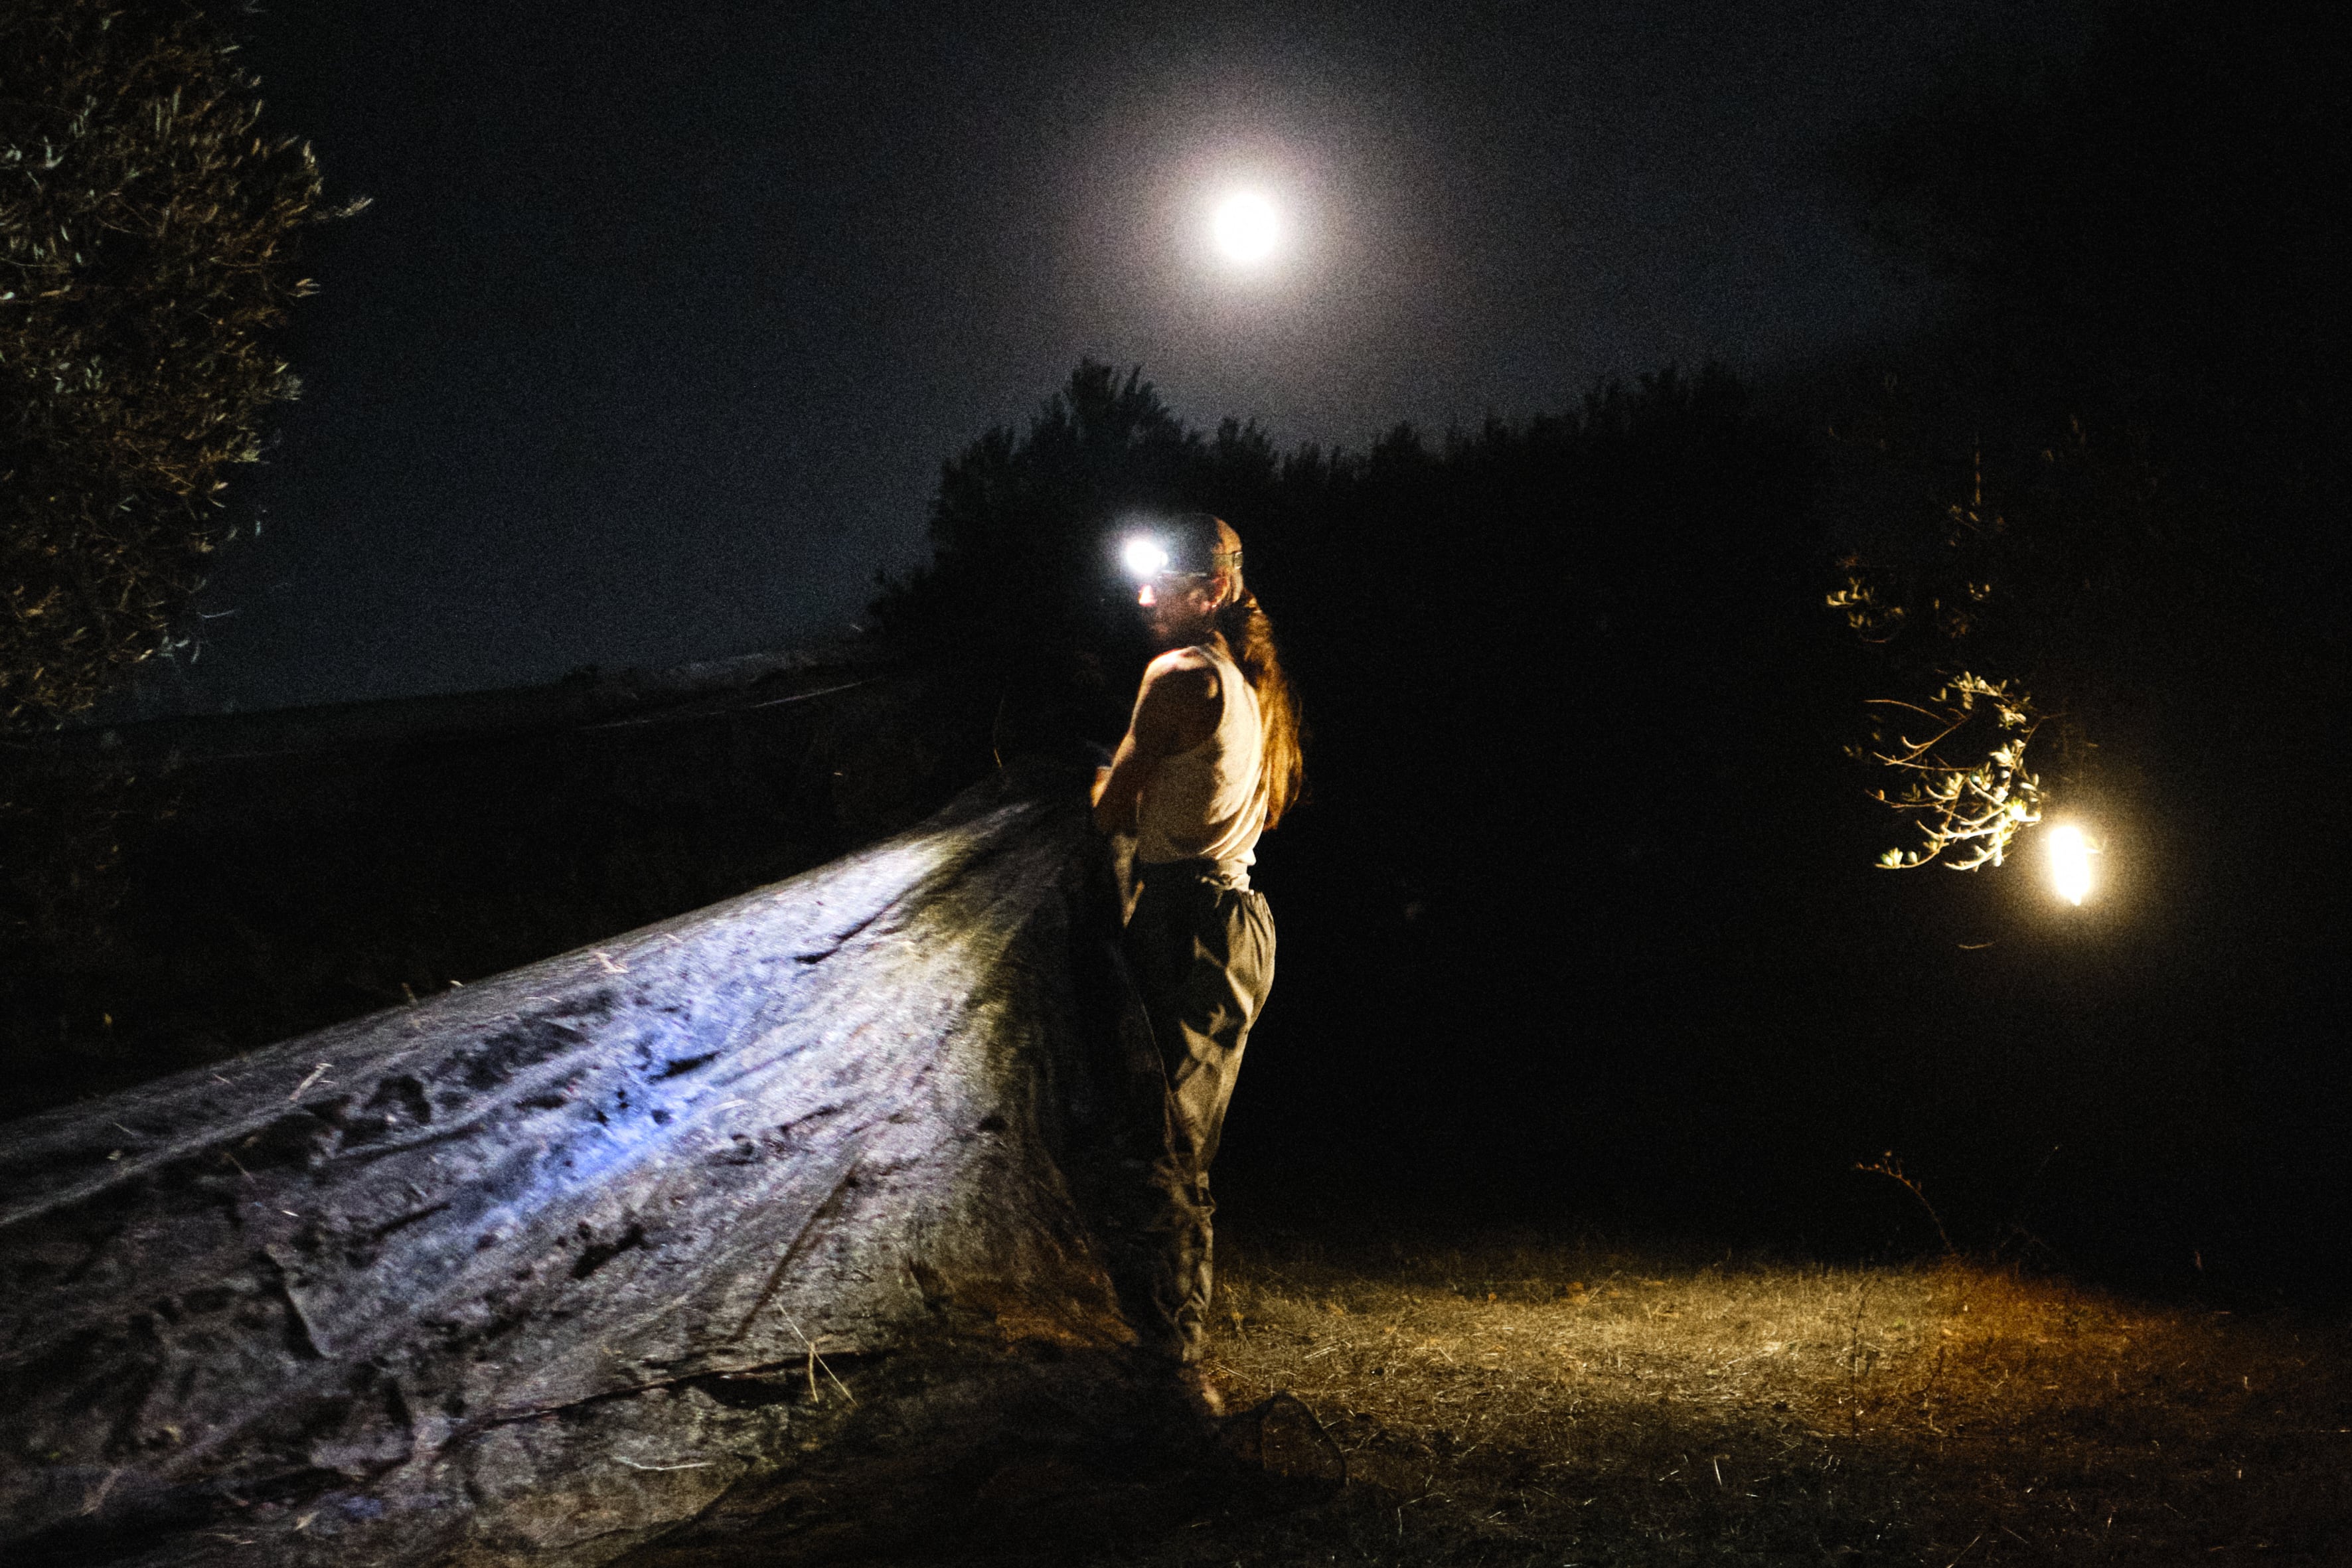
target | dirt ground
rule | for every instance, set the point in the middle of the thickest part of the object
(1503, 1399)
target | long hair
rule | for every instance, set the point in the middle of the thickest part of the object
(1249, 635)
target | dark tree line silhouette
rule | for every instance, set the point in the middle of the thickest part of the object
(1435, 593)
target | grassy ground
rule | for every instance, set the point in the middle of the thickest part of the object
(1505, 1400)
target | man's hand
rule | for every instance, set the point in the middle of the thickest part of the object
(1178, 709)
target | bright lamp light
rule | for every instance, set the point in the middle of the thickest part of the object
(1145, 557)
(2070, 862)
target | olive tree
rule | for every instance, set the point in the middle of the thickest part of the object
(149, 253)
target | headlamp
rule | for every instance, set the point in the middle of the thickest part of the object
(1145, 556)
(1182, 547)
(1146, 559)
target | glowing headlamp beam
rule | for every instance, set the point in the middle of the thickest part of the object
(2070, 862)
(1145, 557)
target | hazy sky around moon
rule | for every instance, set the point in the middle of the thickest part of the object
(664, 316)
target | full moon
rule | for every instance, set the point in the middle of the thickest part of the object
(1246, 227)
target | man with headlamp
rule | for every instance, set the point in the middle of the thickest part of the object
(1211, 760)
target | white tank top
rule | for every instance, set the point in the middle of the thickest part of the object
(1209, 803)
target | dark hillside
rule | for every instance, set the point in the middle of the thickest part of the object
(286, 870)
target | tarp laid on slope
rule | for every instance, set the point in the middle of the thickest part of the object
(736, 1224)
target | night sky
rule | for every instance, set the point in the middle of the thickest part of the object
(664, 316)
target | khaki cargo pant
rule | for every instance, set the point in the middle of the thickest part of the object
(1203, 957)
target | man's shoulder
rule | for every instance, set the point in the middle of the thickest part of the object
(1189, 660)
(1183, 675)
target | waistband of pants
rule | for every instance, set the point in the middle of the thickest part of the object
(1233, 874)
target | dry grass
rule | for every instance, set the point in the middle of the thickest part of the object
(1505, 1400)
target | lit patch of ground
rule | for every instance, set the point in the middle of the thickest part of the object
(1501, 1401)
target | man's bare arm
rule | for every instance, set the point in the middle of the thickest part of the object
(1176, 711)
